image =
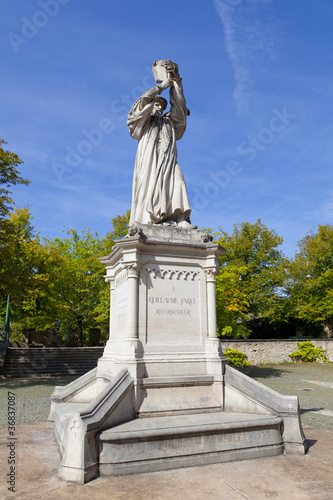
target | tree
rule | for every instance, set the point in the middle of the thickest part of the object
(258, 265)
(16, 232)
(311, 279)
(120, 225)
(9, 175)
(75, 297)
(21, 255)
(231, 303)
(75, 281)
(21, 259)
(18, 246)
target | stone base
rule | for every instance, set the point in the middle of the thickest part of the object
(161, 443)
(180, 423)
(80, 476)
(162, 395)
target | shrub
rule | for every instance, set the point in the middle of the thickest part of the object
(235, 357)
(308, 353)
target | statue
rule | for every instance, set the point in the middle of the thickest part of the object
(159, 190)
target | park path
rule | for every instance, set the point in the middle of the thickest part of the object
(313, 383)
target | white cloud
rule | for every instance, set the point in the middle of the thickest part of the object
(248, 33)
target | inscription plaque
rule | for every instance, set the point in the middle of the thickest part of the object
(173, 306)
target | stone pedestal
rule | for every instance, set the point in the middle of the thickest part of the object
(163, 317)
(163, 395)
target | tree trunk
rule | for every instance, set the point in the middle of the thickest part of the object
(328, 327)
(80, 328)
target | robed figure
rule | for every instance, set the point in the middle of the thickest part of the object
(159, 190)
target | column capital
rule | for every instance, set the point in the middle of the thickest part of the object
(133, 269)
(110, 279)
(210, 273)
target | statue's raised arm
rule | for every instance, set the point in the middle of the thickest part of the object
(159, 190)
(178, 110)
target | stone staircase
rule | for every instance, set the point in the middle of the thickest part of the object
(3, 352)
(161, 443)
(50, 361)
(100, 408)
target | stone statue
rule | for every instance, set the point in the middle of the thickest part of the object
(159, 190)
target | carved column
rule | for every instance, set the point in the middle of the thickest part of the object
(211, 303)
(133, 271)
(112, 307)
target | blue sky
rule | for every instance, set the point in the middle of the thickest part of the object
(257, 77)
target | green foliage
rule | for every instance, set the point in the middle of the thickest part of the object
(9, 175)
(120, 227)
(60, 283)
(19, 245)
(76, 279)
(231, 304)
(71, 294)
(235, 357)
(308, 353)
(254, 249)
(251, 277)
(264, 328)
(311, 278)
(21, 257)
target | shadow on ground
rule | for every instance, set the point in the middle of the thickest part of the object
(309, 443)
(262, 371)
(307, 410)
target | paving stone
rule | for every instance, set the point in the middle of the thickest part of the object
(313, 383)
(298, 477)
(32, 397)
(289, 477)
(316, 396)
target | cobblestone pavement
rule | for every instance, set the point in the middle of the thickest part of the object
(32, 398)
(313, 383)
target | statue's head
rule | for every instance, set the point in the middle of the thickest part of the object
(160, 105)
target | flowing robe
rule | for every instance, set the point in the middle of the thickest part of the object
(159, 189)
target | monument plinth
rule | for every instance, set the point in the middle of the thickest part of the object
(163, 318)
(163, 395)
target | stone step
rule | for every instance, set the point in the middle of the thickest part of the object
(49, 351)
(165, 396)
(160, 443)
(50, 361)
(48, 369)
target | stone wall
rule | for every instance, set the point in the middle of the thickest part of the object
(274, 351)
(48, 338)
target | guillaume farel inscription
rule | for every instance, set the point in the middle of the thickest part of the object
(173, 309)
(178, 306)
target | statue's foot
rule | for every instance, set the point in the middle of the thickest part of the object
(187, 225)
(169, 223)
